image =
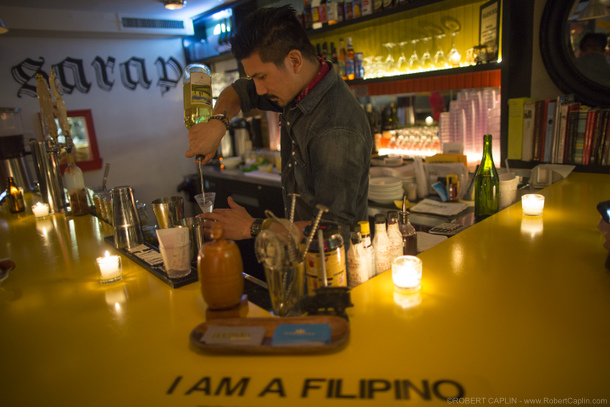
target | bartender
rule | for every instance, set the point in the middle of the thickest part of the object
(325, 137)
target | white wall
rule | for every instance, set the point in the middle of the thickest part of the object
(139, 132)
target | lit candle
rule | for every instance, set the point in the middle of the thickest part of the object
(40, 210)
(533, 204)
(110, 268)
(407, 272)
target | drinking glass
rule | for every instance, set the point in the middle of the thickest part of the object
(440, 60)
(414, 59)
(206, 202)
(426, 58)
(401, 65)
(390, 64)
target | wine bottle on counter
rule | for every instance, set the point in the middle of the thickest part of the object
(16, 203)
(197, 92)
(486, 184)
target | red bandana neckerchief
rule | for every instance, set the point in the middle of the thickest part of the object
(324, 68)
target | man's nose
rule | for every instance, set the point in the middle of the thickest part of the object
(260, 88)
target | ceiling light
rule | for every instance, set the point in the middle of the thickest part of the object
(594, 9)
(174, 4)
(3, 28)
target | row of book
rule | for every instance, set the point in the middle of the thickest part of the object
(560, 131)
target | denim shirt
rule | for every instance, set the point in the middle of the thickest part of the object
(326, 150)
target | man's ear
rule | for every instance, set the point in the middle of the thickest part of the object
(294, 61)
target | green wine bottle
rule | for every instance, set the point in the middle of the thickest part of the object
(486, 184)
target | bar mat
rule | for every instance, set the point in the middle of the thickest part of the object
(148, 256)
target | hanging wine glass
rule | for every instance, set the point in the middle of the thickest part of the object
(414, 59)
(401, 65)
(453, 26)
(426, 58)
(390, 64)
(440, 60)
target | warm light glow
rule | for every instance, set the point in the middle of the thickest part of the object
(531, 226)
(40, 210)
(407, 272)
(406, 153)
(429, 121)
(109, 267)
(533, 204)
(174, 4)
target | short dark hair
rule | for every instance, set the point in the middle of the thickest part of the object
(272, 32)
(593, 42)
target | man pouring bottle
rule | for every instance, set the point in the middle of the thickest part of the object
(325, 137)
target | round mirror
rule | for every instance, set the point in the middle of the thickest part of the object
(573, 45)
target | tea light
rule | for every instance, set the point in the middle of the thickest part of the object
(40, 210)
(110, 268)
(406, 273)
(533, 204)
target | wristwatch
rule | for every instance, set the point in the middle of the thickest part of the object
(255, 229)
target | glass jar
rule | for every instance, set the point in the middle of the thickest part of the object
(334, 258)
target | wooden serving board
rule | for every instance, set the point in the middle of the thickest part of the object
(339, 335)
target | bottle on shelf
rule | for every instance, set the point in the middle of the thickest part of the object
(323, 13)
(325, 51)
(315, 14)
(367, 243)
(357, 8)
(349, 10)
(16, 203)
(486, 184)
(341, 11)
(333, 57)
(197, 92)
(377, 6)
(349, 60)
(307, 17)
(341, 59)
(387, 4)
(331, 12)
(74, 182)
(407, 231)
(382, 245)
(367, 7)
(394, 234)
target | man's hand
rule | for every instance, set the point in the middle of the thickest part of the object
(236, 221)
(204, 139)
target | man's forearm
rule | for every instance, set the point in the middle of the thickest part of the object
(228, 101)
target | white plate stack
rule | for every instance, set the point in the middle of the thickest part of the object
(385, 190)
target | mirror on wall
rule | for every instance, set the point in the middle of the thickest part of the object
(574, 48)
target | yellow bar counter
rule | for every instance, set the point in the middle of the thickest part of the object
(512, 310)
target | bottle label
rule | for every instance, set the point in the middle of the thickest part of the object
(201, 89)
(334, 261)
(349, 67)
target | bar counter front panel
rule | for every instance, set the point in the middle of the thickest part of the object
(510, 309)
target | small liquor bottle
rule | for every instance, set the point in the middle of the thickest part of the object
(15, 197)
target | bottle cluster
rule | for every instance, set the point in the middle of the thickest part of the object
(367, 257)
(346, 62)
(319, 13)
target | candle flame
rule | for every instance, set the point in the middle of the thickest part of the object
(106, 254)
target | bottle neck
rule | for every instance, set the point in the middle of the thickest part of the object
(379, 227)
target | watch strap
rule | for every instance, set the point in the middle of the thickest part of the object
(256, 227)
